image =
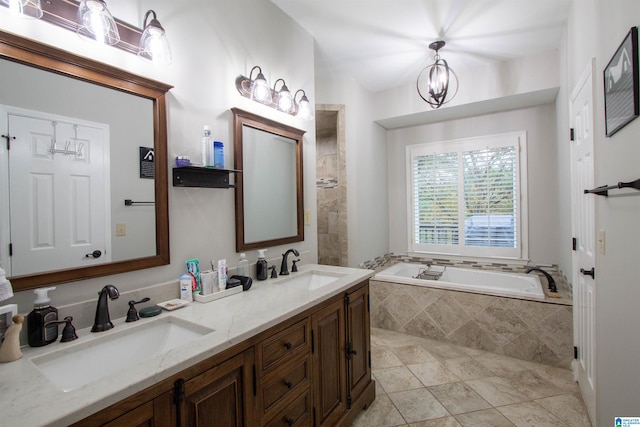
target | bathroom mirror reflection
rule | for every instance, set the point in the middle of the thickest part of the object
(84, 137)
(269, 192)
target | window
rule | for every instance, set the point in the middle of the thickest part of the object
(466, 196)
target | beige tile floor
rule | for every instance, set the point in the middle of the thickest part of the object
(426, 383)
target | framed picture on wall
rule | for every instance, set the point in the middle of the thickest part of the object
(621, 85)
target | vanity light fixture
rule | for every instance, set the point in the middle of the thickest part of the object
(154, 44)
(257, 89)
(96, 23)
(24, 8)
(434, 83)
(305, 112)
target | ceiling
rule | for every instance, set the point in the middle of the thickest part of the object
(384, 43)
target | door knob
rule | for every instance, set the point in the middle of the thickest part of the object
(94, 254)
(591, 272)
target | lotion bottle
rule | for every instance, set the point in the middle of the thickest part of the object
(37, 333)
(261, 266)
(243, 265)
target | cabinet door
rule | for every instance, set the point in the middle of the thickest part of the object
(358, 342)
(328, 330)
(142, 416)
(221, 396)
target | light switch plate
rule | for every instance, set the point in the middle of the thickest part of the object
(121, 229)
(307, 217)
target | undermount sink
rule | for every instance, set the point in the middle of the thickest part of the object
(312, 279)
(77, 365)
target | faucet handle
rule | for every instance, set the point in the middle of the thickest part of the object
(132, 314)
(294, 267)
(274, 273)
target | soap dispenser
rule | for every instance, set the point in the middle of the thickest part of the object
(261, 266)
(37, 333)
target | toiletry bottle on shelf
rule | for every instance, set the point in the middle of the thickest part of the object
(218, 154)
(37, 333)
(207, 154)
(261, 266)
(243, 265)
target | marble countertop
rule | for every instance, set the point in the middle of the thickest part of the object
(30, 398)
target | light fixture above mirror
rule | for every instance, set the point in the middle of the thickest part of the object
(257, 89)
(93, 22)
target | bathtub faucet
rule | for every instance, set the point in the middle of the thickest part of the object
(552, 283)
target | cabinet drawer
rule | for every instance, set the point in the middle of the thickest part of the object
(284, 382)
(283, 346)
(298, 413)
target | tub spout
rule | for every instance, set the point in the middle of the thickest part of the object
(550, 281)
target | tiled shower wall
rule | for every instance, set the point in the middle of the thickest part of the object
(539, 331)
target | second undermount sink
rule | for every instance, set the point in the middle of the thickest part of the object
(312, 280)
(77, 365)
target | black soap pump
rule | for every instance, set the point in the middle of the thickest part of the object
(261, 266)
(37, 333)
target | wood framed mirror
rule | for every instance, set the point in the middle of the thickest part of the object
(269, 191)
(118, 83)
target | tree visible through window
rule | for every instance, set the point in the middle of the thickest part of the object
(465, 196)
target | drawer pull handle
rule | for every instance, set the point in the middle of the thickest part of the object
(288, 383)
(289, 421)
(288, 345)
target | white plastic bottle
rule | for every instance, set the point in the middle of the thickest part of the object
(243, 265)
(207, 148)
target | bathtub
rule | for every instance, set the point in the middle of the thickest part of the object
(513, 285)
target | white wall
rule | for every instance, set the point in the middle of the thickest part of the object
(213, 41)
(596, 29)
(538, 122)
(367, 216)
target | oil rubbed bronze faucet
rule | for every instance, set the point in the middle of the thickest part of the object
(284, 268)
(103, 321)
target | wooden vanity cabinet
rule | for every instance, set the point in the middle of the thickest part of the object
(311, 370)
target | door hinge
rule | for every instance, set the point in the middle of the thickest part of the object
(571, 135)
(313, 342)
(349, 401)
(575, 352)
(574, 244)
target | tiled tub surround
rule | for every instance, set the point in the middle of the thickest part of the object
(529, 330)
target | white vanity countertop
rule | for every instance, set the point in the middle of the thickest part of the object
(28, 398)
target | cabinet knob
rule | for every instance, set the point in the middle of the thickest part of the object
(288, 345)
(288, 383)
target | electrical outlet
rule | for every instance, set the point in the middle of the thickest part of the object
(307, 217)
(601, 241)
(121, 229)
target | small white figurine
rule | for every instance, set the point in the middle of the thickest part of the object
(10, 349)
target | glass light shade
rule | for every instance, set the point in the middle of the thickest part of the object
(96, 22)
(154, 44)
(260, 90)
(24, 8)
(285, 99)
(305, 112)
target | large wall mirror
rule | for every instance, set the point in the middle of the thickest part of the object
(82, 139)
(269, 191)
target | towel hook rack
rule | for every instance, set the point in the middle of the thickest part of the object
(604, 190)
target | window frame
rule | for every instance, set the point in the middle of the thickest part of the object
(516, 139)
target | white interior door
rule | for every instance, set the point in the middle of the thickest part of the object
(59, 210)
(583, 225)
